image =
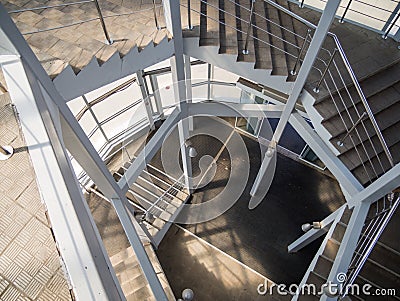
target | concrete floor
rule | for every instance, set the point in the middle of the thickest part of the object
(257, 238)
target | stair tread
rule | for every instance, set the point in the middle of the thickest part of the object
(243, 14)
(228, 35)
(262, 39)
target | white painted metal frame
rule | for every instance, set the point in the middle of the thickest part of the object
(324, 24)
(82, 150)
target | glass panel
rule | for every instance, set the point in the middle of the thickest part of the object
(251, 124)
(75, 105)
(308, 155)
(123, 121)
(117, 102)
(98, 140)
(225, 93)
(87, 123)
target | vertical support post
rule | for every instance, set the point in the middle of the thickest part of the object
(189, 91)
(294, 71)
(348, 245)
(345, 12)
(189, 16)
(209, 76)
(157, 95)
(173, 21)
(246, 44)
(316, 89)
(324, 24)
(155, 15)
(103, 24)
(301, 4)
(95, 118)
(146, 98)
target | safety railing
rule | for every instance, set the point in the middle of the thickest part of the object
(373, 228)
(101, 17)
(383, 16)
(332, 75)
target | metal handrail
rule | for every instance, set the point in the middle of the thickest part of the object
(164, 193)
(338, 48)
(367, 242)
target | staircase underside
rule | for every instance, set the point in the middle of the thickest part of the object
(130, 25)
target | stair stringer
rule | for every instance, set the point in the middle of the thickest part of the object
(316, 119)
(94, 76)
(320, 251)
(211, 55)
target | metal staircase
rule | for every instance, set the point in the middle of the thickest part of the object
(70, 41)
(265, 35)
(157, 199)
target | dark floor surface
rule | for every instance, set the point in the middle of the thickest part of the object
(259, 237)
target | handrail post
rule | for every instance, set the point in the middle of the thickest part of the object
(316, 89)
(190, 27)
(340, 142)
(155, 15)
(246, 44)
(391, 26)
(294, 72)
(345, 12)
(103, 24)
(301, 4)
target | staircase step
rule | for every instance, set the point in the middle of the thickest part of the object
(331, 249)
(292, 47)
(379, 276)
(262, 39)
(346, 216)
(209, 23)
(386, 258)
(243, 18)
(277, 43)
(339, 231)
(362, 175)
(318, 281)
(323, 267)
(227, 29)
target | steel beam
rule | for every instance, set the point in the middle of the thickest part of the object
(81, 148)
(347, 245)
(314, 234)
(148, 152)
(75, 231)
(146, 98)
(346, 179)
(379, 188)
(324, 24)
(235, 110)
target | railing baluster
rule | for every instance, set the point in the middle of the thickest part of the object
(391, 26)
(345, 12)
(103, 24)
(190, 27)
(301, 4)
(246, 44)
(341, 142)
(294, 72)
(155, 15)
(316, 89)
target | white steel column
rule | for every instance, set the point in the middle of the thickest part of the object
(157, 95)
(173, 20)
(82, 150)
(313, 234)
(189, 91)
(324, 24)
(146, 99)
(348, 245)
(76, 234)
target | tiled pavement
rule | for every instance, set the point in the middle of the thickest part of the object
(30, 267)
